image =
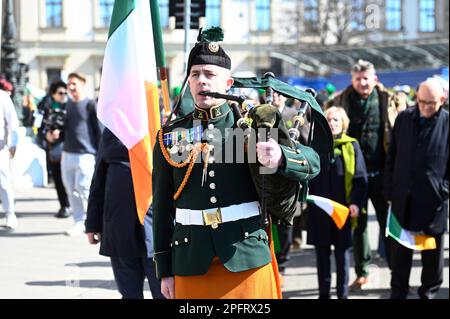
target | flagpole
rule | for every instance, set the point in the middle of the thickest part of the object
(160, 55)
(187, 27)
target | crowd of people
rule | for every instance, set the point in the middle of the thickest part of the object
(390, 147)
(64, 123)
(377, 161)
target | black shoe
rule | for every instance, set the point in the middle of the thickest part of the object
(63, 213)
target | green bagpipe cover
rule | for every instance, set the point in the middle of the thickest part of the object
(279, 193)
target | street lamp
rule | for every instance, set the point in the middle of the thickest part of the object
(14, 72)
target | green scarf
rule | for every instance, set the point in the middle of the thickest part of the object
(56, 105)
(343, 147)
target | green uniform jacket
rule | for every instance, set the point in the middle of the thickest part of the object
(186, 250)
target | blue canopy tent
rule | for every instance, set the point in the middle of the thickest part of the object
(389, 79)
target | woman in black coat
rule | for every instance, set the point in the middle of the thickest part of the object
(344, 181)
(112, 220)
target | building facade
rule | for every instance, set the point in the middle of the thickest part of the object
(56, 37)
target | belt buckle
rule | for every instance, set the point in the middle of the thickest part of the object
(212, 219)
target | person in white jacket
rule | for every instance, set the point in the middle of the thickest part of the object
(9, 125)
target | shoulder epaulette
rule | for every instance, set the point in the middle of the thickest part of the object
(168, 125)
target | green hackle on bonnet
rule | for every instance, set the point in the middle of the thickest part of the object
(213, 34)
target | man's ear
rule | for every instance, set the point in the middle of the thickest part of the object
(230, 82)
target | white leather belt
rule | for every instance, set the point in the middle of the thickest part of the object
(215, 216)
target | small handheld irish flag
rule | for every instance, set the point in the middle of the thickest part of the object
(408, 238)
(338, 212)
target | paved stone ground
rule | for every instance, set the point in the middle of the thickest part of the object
(38, 261)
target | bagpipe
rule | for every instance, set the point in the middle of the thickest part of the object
(278, 193)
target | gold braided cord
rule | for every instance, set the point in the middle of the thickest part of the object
(166, 154)
(190, 160)
(194, 154)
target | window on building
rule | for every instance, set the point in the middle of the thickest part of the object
(427, 16)
(53, 13)
(213, 13)
(53, 74)
(105, 9)
(164, 13)
(262, 15)
(393, 15)
(311, 14)
(358, 15)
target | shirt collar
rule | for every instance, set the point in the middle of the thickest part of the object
(211, 113)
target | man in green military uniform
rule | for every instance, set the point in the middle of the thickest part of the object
(209, 235)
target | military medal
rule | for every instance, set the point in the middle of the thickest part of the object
(173, 149)
(191, 136)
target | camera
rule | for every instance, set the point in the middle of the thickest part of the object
(55, 120)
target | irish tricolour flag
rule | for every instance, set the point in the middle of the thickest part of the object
(407, 238)
(338, 212)
(128, 100)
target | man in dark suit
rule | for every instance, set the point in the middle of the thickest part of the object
(416, 184)
(112, 220)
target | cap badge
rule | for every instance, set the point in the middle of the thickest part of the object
(213, 47)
